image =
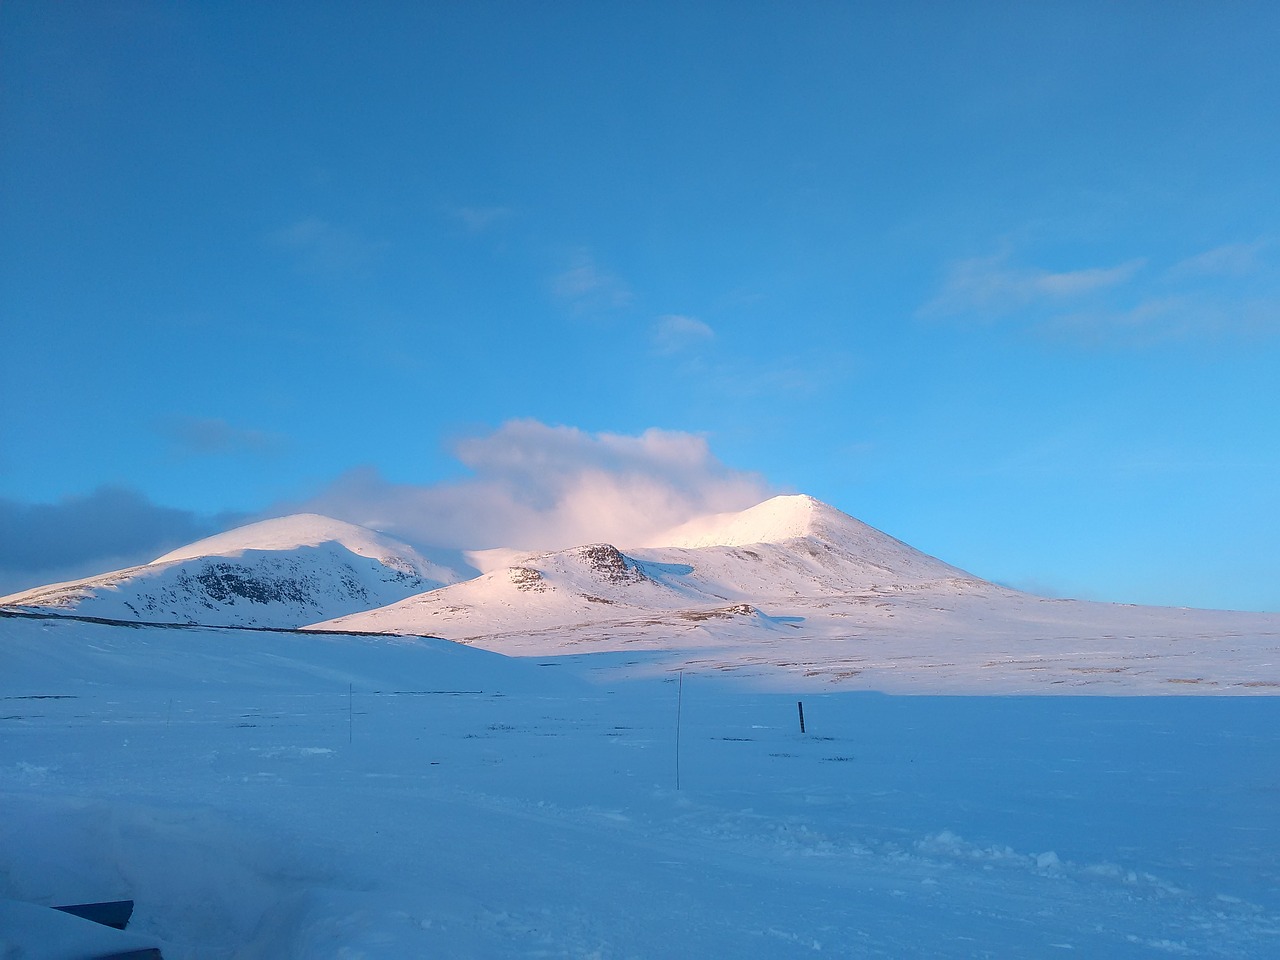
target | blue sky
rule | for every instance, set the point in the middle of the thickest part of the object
(1000, 279)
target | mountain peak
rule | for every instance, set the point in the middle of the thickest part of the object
(798, 520)
(307, 530)
(776, 520)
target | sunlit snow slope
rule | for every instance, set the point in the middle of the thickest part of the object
(278, 573)
(795, 587)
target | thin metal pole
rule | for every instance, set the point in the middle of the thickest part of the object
(351, 712)
(679, 707)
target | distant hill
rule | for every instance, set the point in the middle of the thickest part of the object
(285, 572)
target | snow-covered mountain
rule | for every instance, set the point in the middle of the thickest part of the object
(719, 568)
(285, 572)
(793, 588)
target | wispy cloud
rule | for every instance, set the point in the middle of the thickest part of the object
(1231, 290)
(1168, 319)
(992, 285)
(323, 247)
(213, 436)
(1232, 260)
(675, 332)
(478, 220)
(535, 486)
(585, 287)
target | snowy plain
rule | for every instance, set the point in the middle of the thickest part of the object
(277, 794)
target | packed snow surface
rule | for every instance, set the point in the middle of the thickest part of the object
(286, 795)
(278, 573)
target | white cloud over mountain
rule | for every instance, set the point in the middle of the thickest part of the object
(531, 486)
(536, 486)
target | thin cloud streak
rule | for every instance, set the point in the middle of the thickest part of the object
(1232, 259)
(213, 436)
(989, 285)
(324, 247)
(1168, 319)
(478, 220)
(674, 333)
(585, 287)
(1229, 291)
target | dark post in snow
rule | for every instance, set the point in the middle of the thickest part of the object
(800, 707)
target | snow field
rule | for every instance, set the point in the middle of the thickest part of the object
(276, 795)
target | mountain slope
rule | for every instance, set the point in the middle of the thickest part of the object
(789, 519)
(284, 572)
(583, 587)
